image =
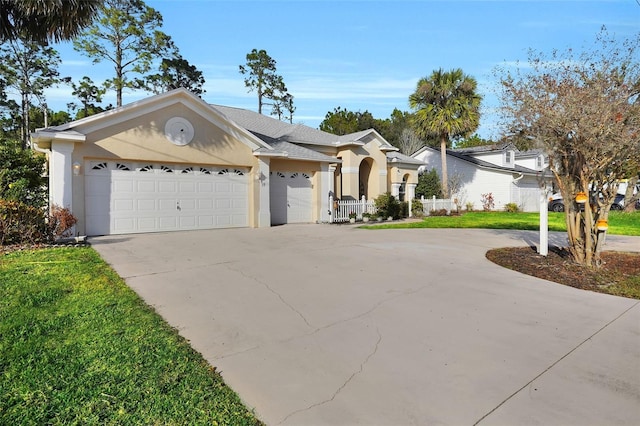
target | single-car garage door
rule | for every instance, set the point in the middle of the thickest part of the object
(126, 198)
(290, 196)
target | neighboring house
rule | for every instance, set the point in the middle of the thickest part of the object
(173, 162)
(511, 176)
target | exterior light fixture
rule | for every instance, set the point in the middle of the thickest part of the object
(76, 168)
(602, 225)
(581, 197)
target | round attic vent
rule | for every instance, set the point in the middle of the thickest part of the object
(179, 131)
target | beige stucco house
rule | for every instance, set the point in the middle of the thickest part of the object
(174, 162)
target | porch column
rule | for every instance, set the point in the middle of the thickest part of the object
(61, 175)
(264, 201)
(410, 191)
(326, 190)
(395, 189)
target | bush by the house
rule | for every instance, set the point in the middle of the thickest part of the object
(511, 208)
(22, 175)
(21, 223)
(404, 209)
(387, 206)
(429, 185)
(417, 209)
(440, 212)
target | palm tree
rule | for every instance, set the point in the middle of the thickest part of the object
(447, 106)
(45, 20)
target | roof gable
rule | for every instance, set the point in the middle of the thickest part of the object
(146, 106)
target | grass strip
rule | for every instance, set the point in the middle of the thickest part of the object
(77, 346)
(620, 223)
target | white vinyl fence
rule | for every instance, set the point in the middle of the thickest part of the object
(431, 204)
(342, 208)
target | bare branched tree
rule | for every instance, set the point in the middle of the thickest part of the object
(584, 111)
(409, 142)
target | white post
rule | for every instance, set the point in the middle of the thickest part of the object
(61, 174)
(332, 213)
(410, 201)
(544, 223)
(262, 187)
(433, 207)
(364, 205)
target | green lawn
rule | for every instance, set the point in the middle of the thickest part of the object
(619, 223)
(77, 346)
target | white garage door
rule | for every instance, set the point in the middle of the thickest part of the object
(290, 197)
(126, 198)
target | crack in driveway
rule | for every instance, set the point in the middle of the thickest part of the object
(344, 385)
(278, 295)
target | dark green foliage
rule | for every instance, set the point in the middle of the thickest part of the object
(417, 209)
(404, 209)
(429, 185)
(342, 122)
(21, 175)
(387, 206)
(45, 20)
(174, 73)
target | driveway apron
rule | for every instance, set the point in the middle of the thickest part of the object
(334, 325)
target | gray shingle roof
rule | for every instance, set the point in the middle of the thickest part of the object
(262, 125)
(401, 158)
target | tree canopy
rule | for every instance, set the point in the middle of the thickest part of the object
(127, 34)
(28, 68)
(446, 107)
(261, 76)
(583, 109)
(45, 20)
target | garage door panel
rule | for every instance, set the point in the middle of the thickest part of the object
(165, 187)
(123, 205)
(146, 186)
(124, 224)
(186, 187)
(128, 198)
(291, 197)
(146, 205)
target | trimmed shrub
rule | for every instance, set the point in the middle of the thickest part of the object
(417, 209)
(511, 208)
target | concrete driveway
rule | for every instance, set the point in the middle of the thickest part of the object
(333, 325)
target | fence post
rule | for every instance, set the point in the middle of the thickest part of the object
(434, 203)
(410, 201)
(364, 205)
(332, 211)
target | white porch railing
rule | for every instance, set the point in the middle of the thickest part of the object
(431, 204)
(340, 209)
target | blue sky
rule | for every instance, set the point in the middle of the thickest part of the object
(362, 55)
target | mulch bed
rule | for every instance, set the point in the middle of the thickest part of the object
(559, 267)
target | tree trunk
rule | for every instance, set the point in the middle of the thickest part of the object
(443, 157)
(629, 198)
(25, 121)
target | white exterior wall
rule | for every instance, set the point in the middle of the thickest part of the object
(477, 181)
(496, 158)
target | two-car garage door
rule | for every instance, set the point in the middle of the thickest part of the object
(124, 198)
